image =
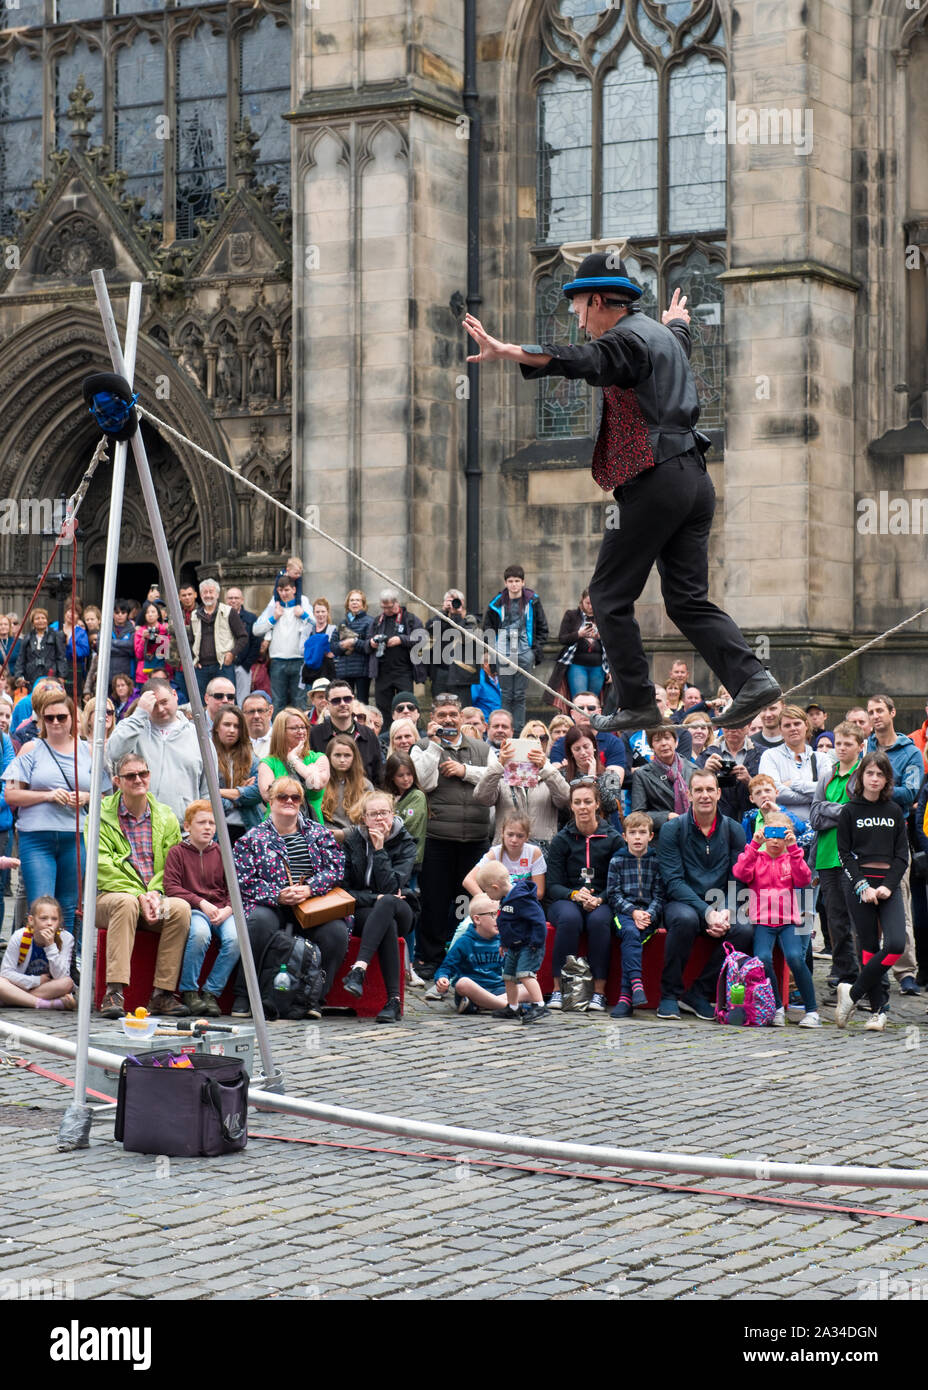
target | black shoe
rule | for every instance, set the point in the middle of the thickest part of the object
(353, 983)
(424, 970)
(508, 1015)
(532, 1013)
(647, 718)
(754, 695)
(240, 1007)
(390, 1013)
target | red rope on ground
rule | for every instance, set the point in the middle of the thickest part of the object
(595, 1177)
(53, 1076)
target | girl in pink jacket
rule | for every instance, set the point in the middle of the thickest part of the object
(773, 865)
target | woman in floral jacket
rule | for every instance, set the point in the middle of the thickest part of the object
(287, 860)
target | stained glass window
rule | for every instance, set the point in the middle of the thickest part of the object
(177, 84)
(265, 96)
(697, 278)
(20, 133)
(563, 406)
(141, 123)
(623, 96)
(564, 158)
(87, 62)
(201, 125)
(630, 146)
(697, 168)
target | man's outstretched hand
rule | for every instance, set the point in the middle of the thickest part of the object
(491, 349)
(677, 309)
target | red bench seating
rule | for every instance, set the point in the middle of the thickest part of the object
(145, 951)
(652, 963)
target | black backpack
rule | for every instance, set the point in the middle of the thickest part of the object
(304, 966)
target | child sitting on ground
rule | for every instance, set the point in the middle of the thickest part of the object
(522, 939)
(518, 856)
(635, 892)
(772, 863)
(34, 973)
(472, 964)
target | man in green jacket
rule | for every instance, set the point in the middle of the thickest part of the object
(136, 832)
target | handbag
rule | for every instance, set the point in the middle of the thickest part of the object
(576, 984)
(195, 1111)
(326, 908)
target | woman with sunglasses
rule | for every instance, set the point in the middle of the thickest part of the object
(380, 856)
(40, 784)
(286, 860)
(291, 755)
(578, 871)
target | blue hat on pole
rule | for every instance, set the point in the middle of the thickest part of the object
(604, 274)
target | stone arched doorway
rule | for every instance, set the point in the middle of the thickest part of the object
(50, 437)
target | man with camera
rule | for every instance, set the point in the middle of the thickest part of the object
(735, 763)
(392, 665)
(454, 661)
(448, 765)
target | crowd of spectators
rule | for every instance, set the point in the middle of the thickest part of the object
(453, 822)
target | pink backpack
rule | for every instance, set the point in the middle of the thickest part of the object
(738, 969)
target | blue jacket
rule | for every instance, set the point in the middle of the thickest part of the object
(693, 864)
(521, 916)
(635, 883)
(485, 694)
(7, 755)
(536, 624)
(908, 769)
(475, 956)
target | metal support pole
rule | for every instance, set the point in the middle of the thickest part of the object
(528, 1145)
(207, 753)
(74, 1131)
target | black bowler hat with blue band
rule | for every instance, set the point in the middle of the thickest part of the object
(604, 274)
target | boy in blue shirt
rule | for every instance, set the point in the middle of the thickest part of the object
(523, 934)
(473, 964)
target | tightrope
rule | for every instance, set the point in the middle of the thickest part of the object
(417, 598)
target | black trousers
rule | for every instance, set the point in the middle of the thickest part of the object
(664, 516)
(683, 925)
(444, 903)
(380, 928)
(845, 966)
(262, 922)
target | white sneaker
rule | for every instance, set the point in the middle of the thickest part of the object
(597, 1004)
(844, 1006)
(875, 1023)
(810, 1020)
(779, 1018)
(413, 980)
(433, 993)
(556, 1001)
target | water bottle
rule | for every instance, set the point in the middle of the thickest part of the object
(736, 1012)
(283, 980)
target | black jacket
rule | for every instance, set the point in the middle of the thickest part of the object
(365, 738)
(567, 857)
(369, 872)
(735, 799)
(652, 790)
(47, 659)
(644, 356)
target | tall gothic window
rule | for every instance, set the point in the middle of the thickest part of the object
(624, 96)
(172, 80)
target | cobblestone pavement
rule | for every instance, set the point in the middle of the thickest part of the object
(318, 1221)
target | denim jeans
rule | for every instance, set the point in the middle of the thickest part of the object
(630, 945)
(285, 683)
(49, 865)
(580, 678)
(5, 875)
(205, 674)
(522, 962)
(793, 947)
(512, 686)
(201, 930)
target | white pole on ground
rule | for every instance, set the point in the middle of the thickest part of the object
(74, 1131)
(528, 1145)
(272, 1074)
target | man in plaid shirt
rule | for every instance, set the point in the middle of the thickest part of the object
(136, 832)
